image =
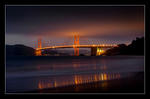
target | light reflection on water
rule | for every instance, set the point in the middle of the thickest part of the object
(26, 75)
(77, 79)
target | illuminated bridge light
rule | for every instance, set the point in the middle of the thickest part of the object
(53, 47)
(99, 51)
(93, 45)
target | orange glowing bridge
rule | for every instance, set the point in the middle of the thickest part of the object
(94, 47)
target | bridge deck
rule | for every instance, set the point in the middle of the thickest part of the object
(78, 46)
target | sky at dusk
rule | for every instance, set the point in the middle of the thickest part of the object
(56, 24)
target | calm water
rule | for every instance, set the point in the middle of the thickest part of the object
(31, 73)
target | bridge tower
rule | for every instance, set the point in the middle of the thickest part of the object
(76, 43)
(38, 51)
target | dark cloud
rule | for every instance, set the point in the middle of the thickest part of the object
(93, 21)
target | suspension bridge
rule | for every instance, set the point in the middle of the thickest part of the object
(76, 45)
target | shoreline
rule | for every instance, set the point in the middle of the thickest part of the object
(66, 57)
(128, 83)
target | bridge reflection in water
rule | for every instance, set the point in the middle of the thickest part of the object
(78, 79)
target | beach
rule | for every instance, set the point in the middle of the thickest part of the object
(111, 74)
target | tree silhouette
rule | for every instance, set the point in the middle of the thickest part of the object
(135, 48)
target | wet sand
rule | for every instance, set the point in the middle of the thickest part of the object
(132, 84)
(125, 64)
